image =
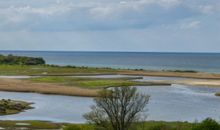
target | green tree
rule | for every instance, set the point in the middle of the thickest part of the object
(118, 109)
(207, 124)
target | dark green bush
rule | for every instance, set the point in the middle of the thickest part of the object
(207, 124)
(162, 127)
(20, 60)
(79, 127)
(72, 127)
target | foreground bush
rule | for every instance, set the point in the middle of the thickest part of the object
(79, 127)
(162, 127)
(207, 124)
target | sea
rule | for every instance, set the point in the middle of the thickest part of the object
(204, 62)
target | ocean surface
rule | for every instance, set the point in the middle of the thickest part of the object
(205, 62)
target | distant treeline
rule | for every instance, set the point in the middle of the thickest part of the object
(20, 60)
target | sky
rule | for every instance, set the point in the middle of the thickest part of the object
(110, 25)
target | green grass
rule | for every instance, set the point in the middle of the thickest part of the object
(33, 125)
(79, 127)
(149, 125)
(89, 82)
(161, 125)
(52, 70)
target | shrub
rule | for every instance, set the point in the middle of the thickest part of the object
(161, 127)
(72, 127)
(207, 124)
(20, 60)
(79, 127)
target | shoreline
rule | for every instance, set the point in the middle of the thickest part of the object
(193, 75)
(21, 85)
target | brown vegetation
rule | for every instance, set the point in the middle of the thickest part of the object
(14, 85)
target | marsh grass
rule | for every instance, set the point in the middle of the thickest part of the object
(51, 70)
(149, 125)
(54, 70)
(11, 125)
(90, 82)
(207, 124)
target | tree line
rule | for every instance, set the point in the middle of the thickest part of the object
(21, 60)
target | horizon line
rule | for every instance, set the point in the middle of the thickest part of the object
(105, 51)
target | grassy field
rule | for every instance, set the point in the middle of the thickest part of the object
(51, 70)
(91, 83)
(36, 125)
(32, 125)
(150, 125)
(8, 107)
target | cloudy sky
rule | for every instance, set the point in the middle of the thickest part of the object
(110, 25)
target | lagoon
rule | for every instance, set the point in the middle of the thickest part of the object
(167, 103)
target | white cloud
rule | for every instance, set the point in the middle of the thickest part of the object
(97, 14)
(190, 25)
(169, 3)
(207, 9)
(145, 25)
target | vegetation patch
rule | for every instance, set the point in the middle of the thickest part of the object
(79, 127)
(182, 71)
(207, 124)
(32, 125)
(8, 107)
(52, 70)
(20, 60)
(217, 94)
(91, 82)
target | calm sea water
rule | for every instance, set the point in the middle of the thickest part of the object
(207, 62)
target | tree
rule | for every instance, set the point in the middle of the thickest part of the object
(21, 60)
(120, 108)
(207, 124)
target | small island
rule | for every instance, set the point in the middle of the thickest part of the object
(8, 107)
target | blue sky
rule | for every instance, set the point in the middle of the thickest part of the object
(110, 25)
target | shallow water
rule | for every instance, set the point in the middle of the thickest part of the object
(182, 103)
(49, 107)
(168, 103)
